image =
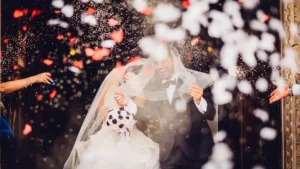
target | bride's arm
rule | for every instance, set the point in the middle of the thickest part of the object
(103, 112)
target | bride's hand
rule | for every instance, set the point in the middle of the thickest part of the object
(131, 78)
(121, 98)
(125, 133)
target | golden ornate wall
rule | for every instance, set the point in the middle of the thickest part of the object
(290, 107)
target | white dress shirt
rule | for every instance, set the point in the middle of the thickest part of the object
(202, 106)
(296, 89)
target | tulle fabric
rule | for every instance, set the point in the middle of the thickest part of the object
(142, 88)
(106, 150)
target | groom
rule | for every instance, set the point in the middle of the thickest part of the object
(184, 138)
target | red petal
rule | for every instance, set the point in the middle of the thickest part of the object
(24, 28)
(53, 94)
(117, 36)
(27, 129)
(100, 54)
(186, 4)
(113, 22)
(60, 37)
(265, 18)
(147, 11)
(78, 64)
(35, 13)
(89, 51)
(5, 40)
(195, 41)
(18, 13)
(72, 41)
(48, 62)
(90, 11)
(15, 67)
(39, 97)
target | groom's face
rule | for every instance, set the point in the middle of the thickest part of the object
(165, 68)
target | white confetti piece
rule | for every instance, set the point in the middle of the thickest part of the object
(194, 16)
(180, 106)
(89, 19)
(231, 7)
(166, 13)
(139, 5)
(152, 47)
(234, 37)
(68, 10)
(57, 3)
(214, 74)
(63, 24)
(280, 84)
(238, 21)
(275, 75)
(229, 55)
(293, 29)
(289, 61)
(275, 59)
(221, 97)
(261, 114)
(268, 133)
(162, 31)
(250, 4)
(220, 136)
(247, 47)
(260, 15)
(219, 20)
(276, 25)
(98, 1)
(262, 85)
(258, 167)
(267, 42)
(258, 26)
(189, 24)
(210, 165)
(108, 44)
(85, 1)
(262, 55)
(245, 87)
(74, 69)
(53, 22)
(221, 153)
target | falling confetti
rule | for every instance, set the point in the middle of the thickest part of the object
(27, 129)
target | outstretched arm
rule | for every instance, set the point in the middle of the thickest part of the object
(288, 90)
(11, 86)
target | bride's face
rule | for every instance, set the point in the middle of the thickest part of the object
(165, 68)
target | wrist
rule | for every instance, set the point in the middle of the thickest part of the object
(32, 80)
(198, 100)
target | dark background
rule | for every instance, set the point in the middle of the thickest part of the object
(56, 122)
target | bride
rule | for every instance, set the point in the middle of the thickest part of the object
(108, 138)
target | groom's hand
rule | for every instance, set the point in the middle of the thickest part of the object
(121, 98)
(196, 92)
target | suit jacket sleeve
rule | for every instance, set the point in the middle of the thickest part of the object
(211, 110)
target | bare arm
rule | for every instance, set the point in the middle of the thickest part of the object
(11, 86)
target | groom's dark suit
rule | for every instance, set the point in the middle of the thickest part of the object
(184, 138)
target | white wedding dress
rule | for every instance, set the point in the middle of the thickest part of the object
(107, 150)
